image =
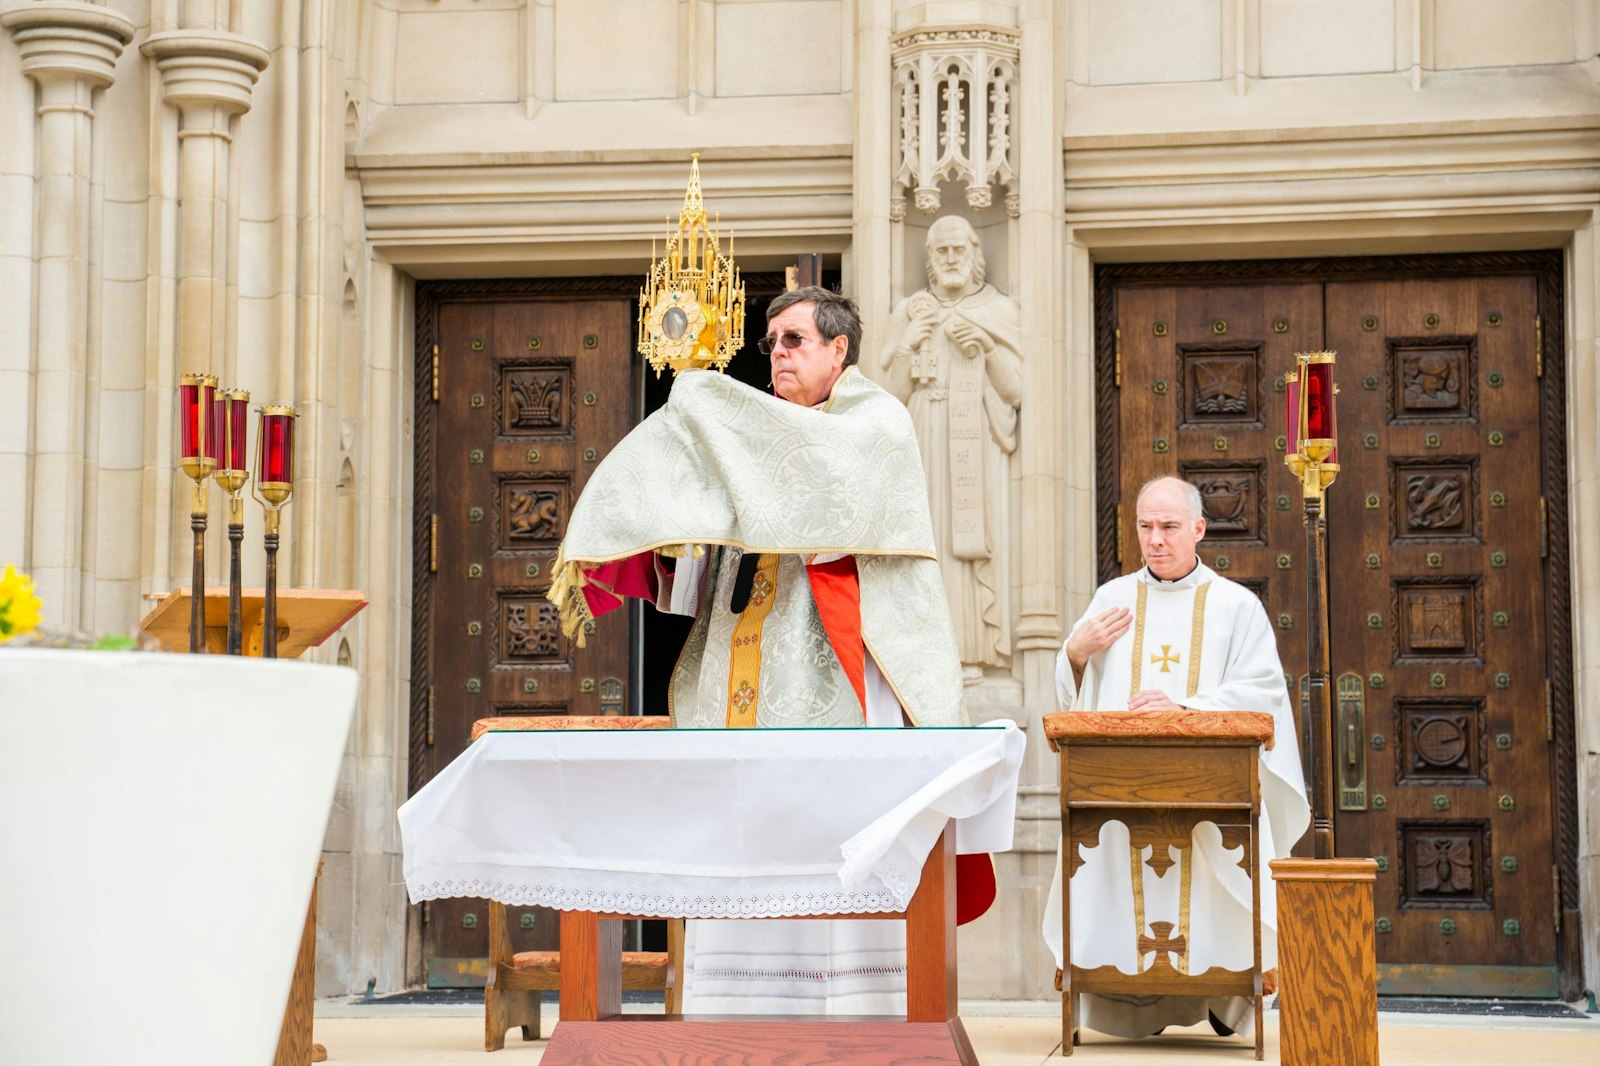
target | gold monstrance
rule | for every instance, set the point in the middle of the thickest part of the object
(691, 309)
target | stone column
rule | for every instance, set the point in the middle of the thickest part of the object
(1041, 460)
(208, 75)
(865, 274)
(70, 51)
(1040, 236)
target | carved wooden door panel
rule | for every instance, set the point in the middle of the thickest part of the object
(532, 394)
(1201, 397)
(1441, 570)
(1437, 534)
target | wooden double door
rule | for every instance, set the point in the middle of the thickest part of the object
(1446, 559)
(519, 398)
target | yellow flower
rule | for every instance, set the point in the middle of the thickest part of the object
(19, 607)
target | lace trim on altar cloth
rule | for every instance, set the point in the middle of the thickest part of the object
(658, 896)
(901, 882)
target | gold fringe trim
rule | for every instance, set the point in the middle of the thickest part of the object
(566, 592)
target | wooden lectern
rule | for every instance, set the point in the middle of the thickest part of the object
(306, 618)
(1160, 773)
(593, 1029)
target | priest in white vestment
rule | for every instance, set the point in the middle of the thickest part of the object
(795, 528)
(1175, 635)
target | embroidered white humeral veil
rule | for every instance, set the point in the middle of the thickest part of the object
(723, 464)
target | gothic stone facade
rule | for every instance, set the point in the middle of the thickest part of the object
(256, 189)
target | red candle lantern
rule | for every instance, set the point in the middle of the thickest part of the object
(197, 456)
(232, 411)
(214, 424)
(196, 416)
(233, 420)
(275, 447)
(1316, 427)
(274, 485)
(1319, 401)
(1311, 433)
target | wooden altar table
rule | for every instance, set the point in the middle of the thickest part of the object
(886, 811)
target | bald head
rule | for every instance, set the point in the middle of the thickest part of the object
(1166, 485)
(1171, 523)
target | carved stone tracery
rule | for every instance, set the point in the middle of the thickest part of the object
(954, 91)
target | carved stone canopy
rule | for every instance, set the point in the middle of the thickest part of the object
(955, 91)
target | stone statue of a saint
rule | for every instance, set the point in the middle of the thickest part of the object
(953, 355)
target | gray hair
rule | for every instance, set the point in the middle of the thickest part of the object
(1191, 495)
(979, 271)
(834, 314)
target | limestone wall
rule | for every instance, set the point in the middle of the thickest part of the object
(252, 189)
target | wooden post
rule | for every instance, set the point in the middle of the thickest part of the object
(591, 967)
(930, 936)
(505, 1007)
(1327, 962)
(295, 1047)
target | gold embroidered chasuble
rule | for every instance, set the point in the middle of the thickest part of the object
(722, 470)
(1206, 643)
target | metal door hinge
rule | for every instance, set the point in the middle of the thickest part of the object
(1555, 896)
(1549, 712)
(433, 544)
(1538, 346)
(1544, 528)
(431, 702)
(1116, 359)
(435, 373)
(1119, 532)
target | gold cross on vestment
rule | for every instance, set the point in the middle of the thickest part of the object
(1166, 659)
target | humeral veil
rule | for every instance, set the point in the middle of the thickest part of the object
(724, 465)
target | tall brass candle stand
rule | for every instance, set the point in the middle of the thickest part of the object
(274, 485)
(197, 451)
(1312, 455)
(233, 412)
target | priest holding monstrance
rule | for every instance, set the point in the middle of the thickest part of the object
(795, 528)
(1177, 635)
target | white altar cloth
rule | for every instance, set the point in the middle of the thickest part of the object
(708, 823)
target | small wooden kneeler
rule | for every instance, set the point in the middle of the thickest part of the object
(511, 996)
(1160, 773)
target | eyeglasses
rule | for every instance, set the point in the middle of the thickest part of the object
(788, 339)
